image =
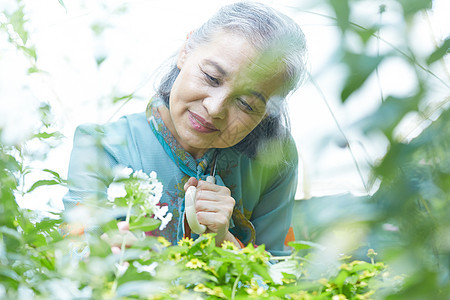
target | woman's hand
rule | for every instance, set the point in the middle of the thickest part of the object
(214, 206)
(123, 236)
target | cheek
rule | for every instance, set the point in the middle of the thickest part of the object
(240, 126)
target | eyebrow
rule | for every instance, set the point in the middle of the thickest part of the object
(259, 95)
(217, 66)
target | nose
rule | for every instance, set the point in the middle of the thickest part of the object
(216, 104)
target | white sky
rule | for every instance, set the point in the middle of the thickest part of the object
(139, 40)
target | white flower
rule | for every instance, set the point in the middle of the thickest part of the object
(121, 268)
(160, 213)
(24, 293)
(116, 190)
(165, 221)
(158, 190)
(141, 175)
(149, 269)
(121, 172)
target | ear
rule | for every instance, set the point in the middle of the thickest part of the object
(181, 56)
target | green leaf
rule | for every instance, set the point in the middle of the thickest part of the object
(30, 51)
(366, 33)
(18, 21)
(145, 224)
(56, 174)
(300, 245)
(340, 278)
(199, 244)
(98, 247)
(33, 69)
(342, 10)
(260, 270)
(389, 114)
(360, 66)
(123, 98)
(411, 7)
(362, 267)
(110, 226)
(11, 233)
(36, 240)
(62, 4)
(7, 272)
(47, 224)
(439, 52)
(42, 183)
(100, 59)
(47, 135)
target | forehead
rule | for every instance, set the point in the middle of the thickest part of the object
(230, 51)
(236, 58)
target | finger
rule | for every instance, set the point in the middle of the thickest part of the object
(191, 182)
(224, 206)
(204, 185)
(115, 250)
(222, 199)
(207, 206)
(123, 226)
(214, 221)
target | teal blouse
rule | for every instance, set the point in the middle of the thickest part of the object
(263, 187)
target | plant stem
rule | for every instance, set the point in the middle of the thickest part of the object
(233, 292)
(122, 251)
(280, 257)
(338, 125)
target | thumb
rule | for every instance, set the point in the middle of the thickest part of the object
(191, 182)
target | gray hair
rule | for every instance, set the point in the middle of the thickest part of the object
(273, 34)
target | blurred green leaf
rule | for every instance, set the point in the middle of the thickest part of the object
(33, 69)
(411, 7)
(260, 270)
(100, 249)
(17, 20)
(54, 173)
(300, 245)
(42, 183)
(439, 52)
(145, 224)
(62, 4)
(123, 98)
(359, 66)
(342, 10)
(100, 59)
(11, 233)
(390, 113)
(47, 135)
(8, 273)
(99, 27)
(30, 51)
(340, 278)
(367, 33)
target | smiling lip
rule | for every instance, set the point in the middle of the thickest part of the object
(200, 124)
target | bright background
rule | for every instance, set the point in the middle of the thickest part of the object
(136, 37)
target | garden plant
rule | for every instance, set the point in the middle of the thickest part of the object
(394, 242)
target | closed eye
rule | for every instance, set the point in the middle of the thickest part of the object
(244, 104)
(211, 80)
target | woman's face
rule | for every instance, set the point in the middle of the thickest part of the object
(220, 95)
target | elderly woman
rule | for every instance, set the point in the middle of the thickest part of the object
(219, 110)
